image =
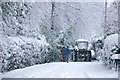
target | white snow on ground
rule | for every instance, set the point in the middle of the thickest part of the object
(63, 70)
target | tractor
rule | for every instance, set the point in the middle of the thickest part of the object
(81, 51)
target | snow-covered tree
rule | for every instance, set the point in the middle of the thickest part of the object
(23, 43)
(111, 19)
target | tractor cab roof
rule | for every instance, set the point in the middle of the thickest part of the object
(81, 40)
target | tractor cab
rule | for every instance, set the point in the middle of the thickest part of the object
(82, 52)
(82, 44)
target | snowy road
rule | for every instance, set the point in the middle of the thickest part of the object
(63, 70)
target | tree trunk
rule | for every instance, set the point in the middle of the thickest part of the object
(105, 19)
(52, 15)
(119, 22)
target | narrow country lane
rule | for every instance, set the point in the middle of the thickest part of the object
(63, 70)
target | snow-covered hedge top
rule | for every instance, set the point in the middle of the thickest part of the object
(110, 43)
(111, 40)
(22, 40)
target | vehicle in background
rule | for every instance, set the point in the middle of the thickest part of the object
(82, 51)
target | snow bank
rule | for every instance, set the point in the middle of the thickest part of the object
(111, 40)
(109, 50)
(110, 43)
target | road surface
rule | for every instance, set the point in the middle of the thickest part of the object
(63, 70)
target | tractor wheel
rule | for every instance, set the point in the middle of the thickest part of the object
(90, 57)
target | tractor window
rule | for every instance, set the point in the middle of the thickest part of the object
(82, 45)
